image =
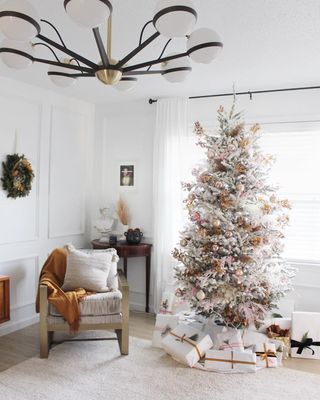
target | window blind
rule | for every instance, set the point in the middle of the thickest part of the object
(297, 173)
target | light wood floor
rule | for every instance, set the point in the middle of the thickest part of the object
(21, 345)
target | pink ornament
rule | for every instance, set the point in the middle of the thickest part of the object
(196, 217)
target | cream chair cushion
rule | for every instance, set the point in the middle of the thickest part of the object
(87, 270)
(97, 304)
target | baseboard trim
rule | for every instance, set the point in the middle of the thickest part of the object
(140, 307)
(10, 327)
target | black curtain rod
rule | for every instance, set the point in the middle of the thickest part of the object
(250, 94)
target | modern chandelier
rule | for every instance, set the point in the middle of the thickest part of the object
(20, 24)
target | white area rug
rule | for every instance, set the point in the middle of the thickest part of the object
(94, 370)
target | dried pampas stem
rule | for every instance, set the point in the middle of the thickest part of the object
(123, 212)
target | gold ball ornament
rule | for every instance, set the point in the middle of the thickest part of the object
(216, 223)
(228, 234)
(183, 242)
(239, 272)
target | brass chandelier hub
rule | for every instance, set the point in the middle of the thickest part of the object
(109, 76)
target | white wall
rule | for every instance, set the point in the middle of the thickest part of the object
(125, 135)
(56, 134)
(128, 130)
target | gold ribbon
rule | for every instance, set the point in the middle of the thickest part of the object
(184, 338)
(264, 356)
(232, 361)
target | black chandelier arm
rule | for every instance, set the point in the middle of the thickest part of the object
(153, 62)
(44, 61)
(81, 75)
(56, 30)
(101, 48)
(68, 51)
(143, 29)
(60, 64)
(134, 73)
(22, 16)
(173, 57)
(164, 49)
(48, 47)
(74, 59)
(16, 51)
(137, 50)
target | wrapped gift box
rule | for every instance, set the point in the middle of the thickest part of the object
(266, 355)
(213, 330)
(220, 360)
(186, 344)
(231, 339)
(164, 324)
(253, 338)
(282, 343)
(166, 304)
(283, 323)
(194, 324)
(305, 335)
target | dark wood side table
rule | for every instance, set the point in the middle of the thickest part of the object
(4, 299)
(126, 251)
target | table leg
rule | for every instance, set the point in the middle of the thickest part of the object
(148, 262)
(125, 266)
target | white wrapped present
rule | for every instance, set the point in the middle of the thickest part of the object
(194, 324)
(230, 340)
(213, 330)
(219, 360)
(167, 302)
(305, 335)
(266, 355)
(283, 323)
(186, 344)
(253, 338)
(164, 324)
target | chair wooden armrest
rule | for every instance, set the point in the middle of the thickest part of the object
(43, 308)
(123, 283)
(123, 336)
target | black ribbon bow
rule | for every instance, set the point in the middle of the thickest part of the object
(304, 345)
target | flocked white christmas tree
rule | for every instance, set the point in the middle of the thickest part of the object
(230, 265)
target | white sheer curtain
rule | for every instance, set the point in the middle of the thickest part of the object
(172, 138)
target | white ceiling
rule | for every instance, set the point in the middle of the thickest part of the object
(267, 44)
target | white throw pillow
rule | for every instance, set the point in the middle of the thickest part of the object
(112, 280)
(87, 270)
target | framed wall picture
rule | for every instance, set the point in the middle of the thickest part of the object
(127, 175)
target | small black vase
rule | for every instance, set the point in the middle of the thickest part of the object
(133, 236)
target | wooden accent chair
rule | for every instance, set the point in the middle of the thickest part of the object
(117, 320)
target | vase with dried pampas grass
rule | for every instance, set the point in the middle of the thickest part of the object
(122, 210)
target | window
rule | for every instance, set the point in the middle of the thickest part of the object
(297, 172)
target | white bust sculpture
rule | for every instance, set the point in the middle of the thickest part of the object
(104, 224)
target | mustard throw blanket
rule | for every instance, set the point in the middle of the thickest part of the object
(67, 303)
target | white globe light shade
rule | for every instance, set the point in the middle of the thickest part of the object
(61, 80)
(126, 84)
(206, 54)
(13, 60)
(172, 72)
(88, 13)
(19, 20)
(174, 18)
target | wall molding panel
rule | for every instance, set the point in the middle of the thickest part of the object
(67, 186)
(22, 137)
(43, 119)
